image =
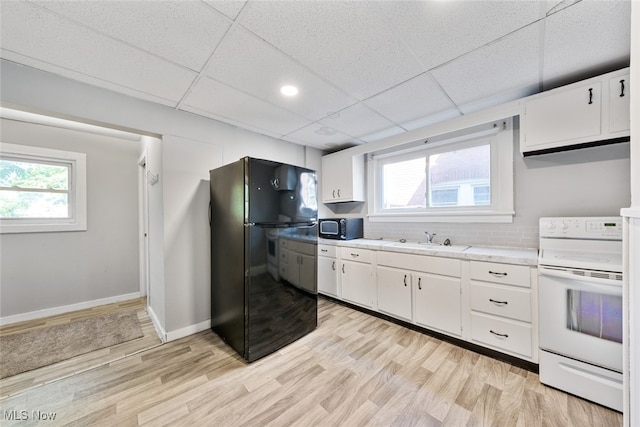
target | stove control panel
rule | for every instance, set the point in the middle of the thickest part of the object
(604, 228)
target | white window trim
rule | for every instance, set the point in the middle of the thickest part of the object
(502, 178)
(77, 195)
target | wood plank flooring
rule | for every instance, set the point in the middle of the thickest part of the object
(353, 370)
(46, 374)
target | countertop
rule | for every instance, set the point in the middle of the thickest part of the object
(506, 255)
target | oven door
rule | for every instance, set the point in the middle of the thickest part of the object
(581, 317)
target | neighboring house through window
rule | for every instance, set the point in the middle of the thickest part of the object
(463, 177)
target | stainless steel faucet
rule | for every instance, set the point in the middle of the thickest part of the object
(429, 236)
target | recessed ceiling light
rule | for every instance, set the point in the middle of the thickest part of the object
(289, 90)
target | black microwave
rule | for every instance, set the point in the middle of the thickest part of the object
(340, 228)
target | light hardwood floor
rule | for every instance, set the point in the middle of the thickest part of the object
(353, 370)
(46, 374)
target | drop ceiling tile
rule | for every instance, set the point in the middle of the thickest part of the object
(586, 36)
(229, 8)
(248, 63)
(431, 119)
(500, 71)
(411, 100)
(439, 31)
(386, 133)
(33, 32)
(319, 136)
(357, 120)
(214, 97)
(183, 32)
(343, 41)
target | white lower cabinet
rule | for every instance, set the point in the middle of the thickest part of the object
(298, 264)
(394, 292)
(490, 304)
(501, 308)
(505, 334)
(438, 302)
(356, 271)
(327, 270)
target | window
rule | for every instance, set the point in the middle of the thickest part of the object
(41, 189)
(461, 177)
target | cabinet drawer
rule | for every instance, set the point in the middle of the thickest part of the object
(517, 275)
(503, 334)
(327, 250)
(511, 302)
(302, 247)
(424, 263)
(356, 254)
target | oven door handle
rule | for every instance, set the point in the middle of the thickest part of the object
(595, 282)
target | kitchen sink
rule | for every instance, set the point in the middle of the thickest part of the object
(429, 246)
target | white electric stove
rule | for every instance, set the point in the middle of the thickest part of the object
(580, 307)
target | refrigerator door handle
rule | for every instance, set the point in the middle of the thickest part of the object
(282, 224)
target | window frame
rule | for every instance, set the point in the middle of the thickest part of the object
(77, 199)
(499, 135)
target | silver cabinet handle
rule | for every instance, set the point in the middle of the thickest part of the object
(342, 268)
(355, 255)
(498, 334)
(419, 284)
(333, 266)
(497, 274)
(339, 192)
(324, 250)
(501, 303)
(405, 280)
(333, 193)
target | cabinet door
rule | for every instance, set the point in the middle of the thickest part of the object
(283, 263)
(619, 113)
(307, 273)
(394, 292)
(328, 276)
(342, 178)
(293, 274)
(560, 117)
(438, 302)
(357, 283)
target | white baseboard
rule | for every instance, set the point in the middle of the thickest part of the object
(189, 330)
(38, 314)
(156, 324)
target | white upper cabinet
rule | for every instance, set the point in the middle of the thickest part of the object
(342, 178)
(619, 106)
(586, 112)
(565, 116)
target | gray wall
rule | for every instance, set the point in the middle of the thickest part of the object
(587, 182)
(44, 270)
(191, 145)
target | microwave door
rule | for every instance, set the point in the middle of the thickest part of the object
(329, 228)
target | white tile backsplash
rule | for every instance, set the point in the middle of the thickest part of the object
(459, 234)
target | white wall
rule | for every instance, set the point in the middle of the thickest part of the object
(40, 271)
(181, 305)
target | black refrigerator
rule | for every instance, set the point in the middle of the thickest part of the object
(257, 208)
